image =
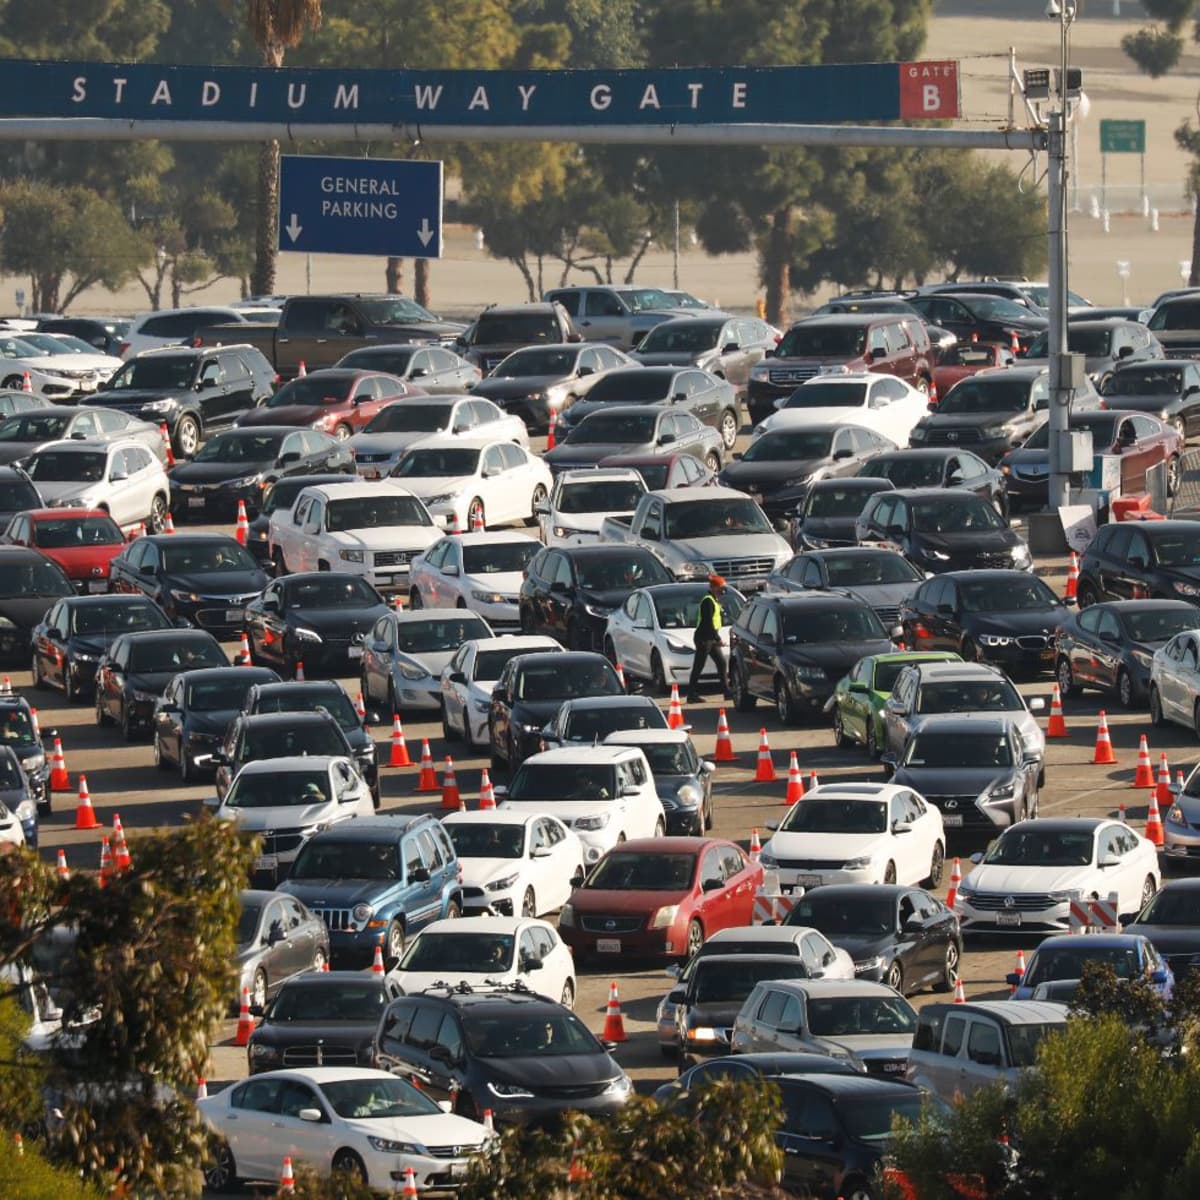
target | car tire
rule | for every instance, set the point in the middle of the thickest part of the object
(841, 739)
(186, 439)
(1086, 595)
(1126, 696)
(894, 976)
(855, 1188)
(35, 671)
(1156, 713)
(160, 759)
(392, 699)
(567, 999)
(157, 517)
(347, 1164)
(538, 497)
(937, 866)
(1172, 474)
(728, 429)
(889, 874)
(529, 903)
(713, 462)
(102, 717)
(660, 829)
(280, 562)
(14, 383)
(658, 674)
(187, 773)
(949, 975)
(1066, 678)
(449, 733)
(1033, 804)
(743, 701)
(610, 651)
(785, 706)
(695, 939)
(393, 944)
(220, 1175)
(259, 987)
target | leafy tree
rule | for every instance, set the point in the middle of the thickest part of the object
(92, 30)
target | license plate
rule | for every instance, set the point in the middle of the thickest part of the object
(266, 862)
(1010, 919)
(608, 945)
(98, 585)
(458, 1170)
(195, 501)
(952, 821)
(355, 652)
(232, 615)
(808, 881)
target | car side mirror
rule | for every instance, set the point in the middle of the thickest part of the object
(878, 353)
(1037, 704)
(148, 571)
(117, 475)
(541, 851)
(977, 857)
(500, 695)
(290, 457)
(529, 963)
(931, 407)
(730, 348)
(773, 824)
(768, 639)
(666, 439)
(677, 996)
(583, 372)
(913, 925)
(541, 509)
(707, 767)
(439, 1053)
(1137, 562)
(857, 687)
(945, 610)
(712, 885)
(844, 453)
(418, 373)
(1158, 976)
(419, 875)
(451, 570)
(558, 586)
(1109, 860)
(275, 934)
(270, 604)
(1125, 352)
(895, 530)
(456, 677)
(901, 827)
(211, 801)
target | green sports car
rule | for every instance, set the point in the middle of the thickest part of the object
(859, 698)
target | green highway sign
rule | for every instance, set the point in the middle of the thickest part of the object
(1122, 137)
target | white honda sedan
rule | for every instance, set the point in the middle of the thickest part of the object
(1027, 878)
(857, 833)
(479, 571)
(370, 1124)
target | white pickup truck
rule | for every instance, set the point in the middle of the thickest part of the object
(370, 529)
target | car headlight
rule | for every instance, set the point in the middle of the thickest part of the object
(509, 1091)
(500, 885)
(185, 597)
(688, 795)
(362, 913)
(597, 821)
(388, 1146)
(870, 964)
(143, 697)
(1020, 556)
(566, 917)
(305, 634)
(80, 656)
(815, 542)
(260, 1051)
(809, 672)
(621, 1086)
(798, 481)
(995, 639)
(1186, 589)
(26, 810)
(488, 597)
(856, 864)
(5, 623)
(563, 531)
(995, 431)
(937, 556)
(159, 406)
(1175, 816)
(678, 647)
(768, 860)
(693, 570)
(526, 728)
(1142, 658)
(441, 498)
(760, 371)
(1000, 791)
(350, 555)
(412, 671)
(34, 763)
(246, 481)
(594, 610)
(918, 434)
(664, 917)
(702, 1033)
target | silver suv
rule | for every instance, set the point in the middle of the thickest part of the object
(620, 314)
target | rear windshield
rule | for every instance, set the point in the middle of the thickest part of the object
(823, 341)
(547, 682)
(369, 512)
(814, 628)
(605, 496)
(828, 395)
(1144, 381)
(836, 502)
(495, 328)
(963, 750)
(499, 558)
(564, 781)
(180, 654)
(410, 418)
(632, 387)
(537, 362)
(434, 634)
(721, 983)
(978, 395)
(169, 372)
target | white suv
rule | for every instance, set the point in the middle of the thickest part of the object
(173, 327)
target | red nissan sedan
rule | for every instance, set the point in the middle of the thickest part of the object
(340, 401)
(660, 897)
(83, 541)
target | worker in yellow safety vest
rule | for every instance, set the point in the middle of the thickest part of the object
(708, 639)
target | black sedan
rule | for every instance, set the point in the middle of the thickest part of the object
(77, 632)
(319, 1018)
(1141, 560)
(1169, 391)
(569, 592)
(778, 468)
(682, 778)
(195, 710)
(1109, 646)
(240, 463)
(749, 1067)
(971, 315)
(1009, 618)
(277, 735)
(901, 936)
(1172, 923)
(29, 585)
(828, 513)
(791, 650)
(200, 579)
(135, 671)
(881, 578)
(940, 466)
(281, 494)
(318, 618)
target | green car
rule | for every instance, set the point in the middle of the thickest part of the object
(859, 698)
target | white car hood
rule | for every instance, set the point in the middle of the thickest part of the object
(566, 810)
(507, 583)
(583, 522)
(286, 816)
(440, 485)
(825, 846)
(478, 871)
(78, 362)
(387, 537)
(440, 1129)
(57, 489)
(1004, 879)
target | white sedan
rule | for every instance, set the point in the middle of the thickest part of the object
(479, 571)
(469, 679)
(514, 863)
(1025, 881)
(857, 833)
(483, 950)
(475, 481)
(653, 634)
(56, 366)
(367, 1123)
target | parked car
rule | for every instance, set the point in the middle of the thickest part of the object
(501, 329)
(83, 541)
(580, 500)
(19, 732)
(17, 493)
(970, 315)
(277, 939)
(1171, 921)
(1175, 681)
(1157, 560)
(635, 429)
(729, 347)
(746, 1068)
(682, 779)
(24, 434)
(664, 470)
(1169, 391)
(1065, 958)
(945, 467)
(620, 315)
(828, 512)
(479, 571)
(19, 800)
(336, 401)
(280, 494)
(590, 720)
(880, 578)
(436, 370)
(968, 358)
(173, 327)
(104, 333)
(50, 367)
(1105, 344)
(29, 586)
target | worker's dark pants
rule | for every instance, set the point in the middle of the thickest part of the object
(704, 651)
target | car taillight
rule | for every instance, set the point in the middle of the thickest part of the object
(196, 343)
(122, 349)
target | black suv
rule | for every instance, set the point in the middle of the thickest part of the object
(19, 731)
(501, 329)
(792, 649)
(193, 391)
(509, 1050)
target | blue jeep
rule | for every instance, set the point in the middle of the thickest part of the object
(376, 882)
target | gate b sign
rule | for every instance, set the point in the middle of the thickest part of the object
(929, 90)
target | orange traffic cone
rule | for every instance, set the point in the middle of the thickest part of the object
(85, 817)
(452, 527)
(399, 745)
(675, 712)
(489, 1120)
(487, 796)
(1016, 345)
(764, 772)
(755, 846)
(614, 1023)
(60, 781)
(813, 781)
(242, 532)
(1121, 813)
(287, 1179)
(377, 962)
(933, 392)
(360, 708)
(169, 524)
(63, 872)
(168, 449)
(201, 1088)
(1163, 793)
(1056, 727)
(450, 796)
(477, 525)
(724, 741)
(1073, 577)
(299, 673)
(398, 602)
(302, 370)
(33, 720)
(1143, 777)
(620, 670)
(1104, 751)
(244, 658)
(19, 1145)
(410, 1183)
(1179, 781)
(245, 1025)
(1019, 971)
(550, 443)
(27, 382)
(121, 859)
(6, 687)
(955, 882)
(795, 786)
(427, 782)
(106, 867)
(1154, 825)
(960, 993)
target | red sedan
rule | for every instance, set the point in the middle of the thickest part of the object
(967, 358)
(660, 897)
(339, 401)
(83, 541)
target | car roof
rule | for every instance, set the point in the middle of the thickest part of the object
(289, 763)
(491, 816)
(767, 934)
(1024, 1012)
(493, 536)
(715, 492)
(598, 551)
(92, 445)
(857, 790)
(668, 845)
(1116, 940)
(851, 320)
(516, 641)
(995, 575)
(311, 717)
(623, 701)
(483, 924)
(579, 755)
(260, 676)
(370, 829)
(354, 489)
(849, 1087)
(647, 737)
(193, 537)
(163, 635)
(308, 686)
(592, 474)
(866, 483)
(414, 616)
(936, 493)
(932, 672)
(333, 979)
(112, 598)
(1066, 824)
(833, 988)
(811, 599)
(563, 657)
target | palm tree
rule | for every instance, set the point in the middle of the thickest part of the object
(276, 26)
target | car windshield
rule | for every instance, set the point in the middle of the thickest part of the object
(1173, 905)
(620, 871)
(823, 341)
(430, 635)
(18, 348)
(68, 533)
(714, 518)
(493, 329)
(726, 983)
(217, 694)
(1068, 962)
(654, 475)
(437, 463)
(16, 727)
(828, 814)
(394, 310)
(906, 470)
(968, 695)
(871, 1120)
(34, 427)
(632, 386)
(828, 395)
(947, 515)
(813, 626)
(836, 501)
(1102, 425)
(202, 558)
(34, 577)
(846, 1016)
(180, 653)
(983, 394)
(300, 1001)
(683, 337)
(1160, 625)
(550, 1033)
(605, 496)
(489, 663)
(373, 512)
(499, 558)
(618, 429)
(87, 620)
(681, 609)
(406, 417)
(283, 493)
(546, 682)
(324, 858)
(620, 572)
(292, 699)
(394, 359)
(473, 953)
(1178, 549)
(160, 372)
(1144, 381)
(377, 1099)
(67, 466)
(240, 446)
(11, 776)
(1026, 594)
(1027, 845)
(487, 841)
(277, 740)
(865, 570)
(963, 750)
(329, 590)
(790, 445)
(844, 914)
(555, 362)
(17, 495)
(248, 920)
(595, 724)
(670, 758)
(587, 782)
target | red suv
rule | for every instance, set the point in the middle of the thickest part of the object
(890, 343)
